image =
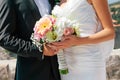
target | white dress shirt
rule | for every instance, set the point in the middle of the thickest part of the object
(43, 6)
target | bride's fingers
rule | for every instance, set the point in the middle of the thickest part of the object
(57, 43)
(65, 38)
(53, 47)
(56, 47)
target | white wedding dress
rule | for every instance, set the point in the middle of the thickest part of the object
(85, 62)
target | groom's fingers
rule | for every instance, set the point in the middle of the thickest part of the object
(48, 51)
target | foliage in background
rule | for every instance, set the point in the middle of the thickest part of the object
(116, 14)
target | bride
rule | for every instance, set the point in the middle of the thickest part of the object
(86, 59)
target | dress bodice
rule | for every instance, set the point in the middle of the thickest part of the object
(83, 13)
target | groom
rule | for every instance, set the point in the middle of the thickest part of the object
(17, 19)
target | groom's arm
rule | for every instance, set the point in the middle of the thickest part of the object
(8, 40)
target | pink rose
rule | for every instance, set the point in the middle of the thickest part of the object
(68, 31)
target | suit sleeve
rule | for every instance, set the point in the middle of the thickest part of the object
(8, 40)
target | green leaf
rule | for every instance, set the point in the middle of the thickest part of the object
(63, 71)
(57, 2)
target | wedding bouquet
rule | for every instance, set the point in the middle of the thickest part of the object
(51, 29)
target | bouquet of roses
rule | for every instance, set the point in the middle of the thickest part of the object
(50, 29)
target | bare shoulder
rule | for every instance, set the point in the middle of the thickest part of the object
(102, 9)
(89, 1)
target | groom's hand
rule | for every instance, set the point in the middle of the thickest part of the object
(48, 51)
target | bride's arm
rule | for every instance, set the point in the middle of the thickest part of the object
(102, 10)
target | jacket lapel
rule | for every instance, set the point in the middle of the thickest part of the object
(33, 9)
(52, 2)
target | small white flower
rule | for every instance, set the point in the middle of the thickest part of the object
(56, 11)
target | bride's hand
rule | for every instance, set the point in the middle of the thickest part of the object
(66, 42)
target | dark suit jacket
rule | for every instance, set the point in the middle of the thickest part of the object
(17, 19)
